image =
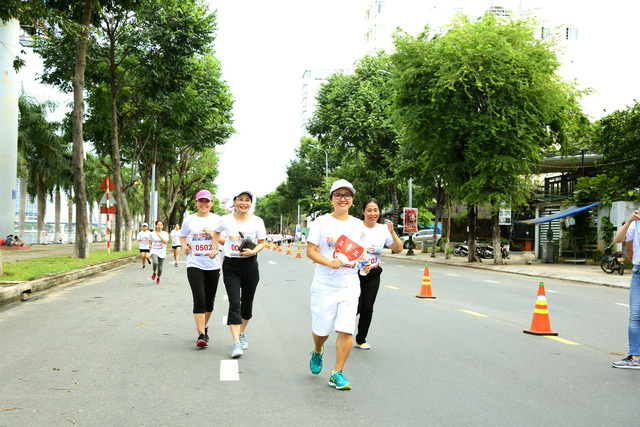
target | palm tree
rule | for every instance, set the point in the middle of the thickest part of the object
(44, 153)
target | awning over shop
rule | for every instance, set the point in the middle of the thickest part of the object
(567, 212)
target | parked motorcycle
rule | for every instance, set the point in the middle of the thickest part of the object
(460, 250)
(610, 262)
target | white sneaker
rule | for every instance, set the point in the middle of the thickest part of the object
(236, 350)
(243, 341)
(363, 346)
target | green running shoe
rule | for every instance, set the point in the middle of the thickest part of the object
(338, 381)
(315, 363)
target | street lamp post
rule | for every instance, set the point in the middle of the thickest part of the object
(326, 160)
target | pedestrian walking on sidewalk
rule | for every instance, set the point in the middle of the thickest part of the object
(631, 231)
(246, 236)
(335, 287)
(176, 245)
(144, 237)
(159, 241)
(203, 261)
(377, 237)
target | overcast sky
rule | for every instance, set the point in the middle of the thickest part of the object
(264, 48)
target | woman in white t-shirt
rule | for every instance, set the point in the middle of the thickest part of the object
(245, 238)
(175, 243)
(144, 237)
(377, 237)
(159, 241)
(335, 287)
(203, 261)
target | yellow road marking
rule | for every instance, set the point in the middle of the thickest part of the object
(390, 287)
(561, 340)
(474, 313)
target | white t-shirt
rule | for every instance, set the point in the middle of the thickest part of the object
(158, 247)
(324, 232)
(201, 243)
(253, 230)
(175, 238)
(376, 239)
(144, 237)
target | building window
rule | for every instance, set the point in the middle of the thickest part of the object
(572, 34)
(546, 32)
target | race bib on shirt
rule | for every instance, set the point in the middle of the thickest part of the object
(201, 244)
(373, 255)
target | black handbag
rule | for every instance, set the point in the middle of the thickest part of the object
(246, 244)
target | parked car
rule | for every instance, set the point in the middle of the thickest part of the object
(421, 236)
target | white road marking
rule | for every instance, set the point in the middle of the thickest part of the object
(454, 275)
(390, 287)
(400, 266)
(622, 304)
(551, 292)
(490, 281)
(224, 320)
(229, 370)
(272, 262)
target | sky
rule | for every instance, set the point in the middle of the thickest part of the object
(264, 48)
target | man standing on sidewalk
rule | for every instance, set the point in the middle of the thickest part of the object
(630, 231)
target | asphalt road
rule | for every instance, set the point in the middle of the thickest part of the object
(120, 350)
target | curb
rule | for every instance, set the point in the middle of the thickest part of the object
(11, 294)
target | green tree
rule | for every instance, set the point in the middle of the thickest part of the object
(479, 104)
(353, 116)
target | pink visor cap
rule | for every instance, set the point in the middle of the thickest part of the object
(204, 194)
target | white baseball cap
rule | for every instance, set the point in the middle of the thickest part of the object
(244, 192)
(144, 224)
(342, 183)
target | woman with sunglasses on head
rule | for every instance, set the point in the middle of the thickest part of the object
(335, 287)
(246, 236)
(377, 237)
(203, 261)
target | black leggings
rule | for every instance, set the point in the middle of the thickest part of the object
(369, 286)
(204, 284)
(241, 277)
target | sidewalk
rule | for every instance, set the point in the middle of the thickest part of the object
(15, 291)
(517, 264)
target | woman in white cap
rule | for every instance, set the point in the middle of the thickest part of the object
(203, 261)
(144, 237)
(335, 288)
(245, 238)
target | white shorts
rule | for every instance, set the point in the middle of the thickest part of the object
(334, 308)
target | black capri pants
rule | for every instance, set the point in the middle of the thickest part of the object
(204, 284)
(241, 277)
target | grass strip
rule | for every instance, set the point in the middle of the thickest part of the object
(31, 268)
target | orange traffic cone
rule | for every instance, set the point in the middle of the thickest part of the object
(288, 249)
(425, 290)
(267, 246)
(280, 247)
(540, 324)
(298, 254)
(275, 246)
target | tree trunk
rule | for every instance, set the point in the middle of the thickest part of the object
(448, 244)
(495, 235)
(70, 221)
(115, 160)
(23, 203)
(472, 219)
(127, 226)
(82, 246)
(42, 206)
(58, 208)
(146, 183)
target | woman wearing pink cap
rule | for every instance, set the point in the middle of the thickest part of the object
(245, 238)
(203, 261)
